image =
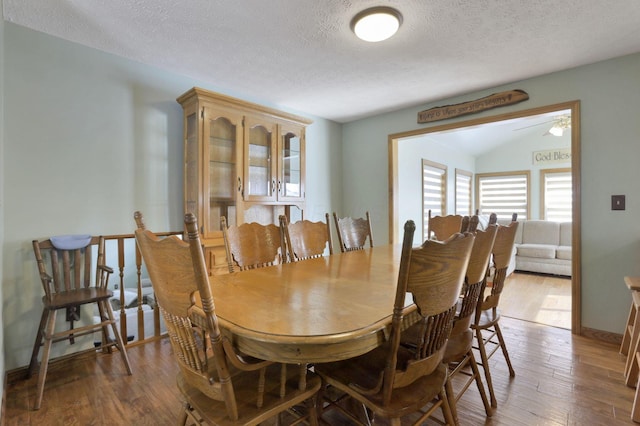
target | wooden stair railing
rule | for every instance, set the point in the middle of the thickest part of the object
(128, 255)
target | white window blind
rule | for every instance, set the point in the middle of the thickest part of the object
(434, 179)
(557, 194)
(463, 192)
(504, 194)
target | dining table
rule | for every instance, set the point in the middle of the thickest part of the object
(316, 310)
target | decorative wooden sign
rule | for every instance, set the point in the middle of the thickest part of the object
(559, 155)
(488, 102)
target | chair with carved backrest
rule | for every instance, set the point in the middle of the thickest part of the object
(220, 386)
(464, 227)
(305, 239)
(353, 232)
(251, 245)
(487, 316)
(442, 227)
(493, 219)
(392, 380)
(459, 353)
(68, 284)
(474, 221)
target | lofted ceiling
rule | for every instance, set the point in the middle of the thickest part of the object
(302, 55)
(483, 138)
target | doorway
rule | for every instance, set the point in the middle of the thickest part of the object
(526, 119)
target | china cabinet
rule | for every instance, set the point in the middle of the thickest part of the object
(243, 161)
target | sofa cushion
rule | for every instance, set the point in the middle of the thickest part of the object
(541, 232)
(542, 251)
(518, 239)
(544, 266)
(563, 252)
(565, 233)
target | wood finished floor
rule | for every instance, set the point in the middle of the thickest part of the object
(560, 380)
(544, 299)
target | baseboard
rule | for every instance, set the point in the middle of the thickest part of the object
(21, 373)
(603, 336)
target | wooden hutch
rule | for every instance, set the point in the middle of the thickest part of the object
(241, 160)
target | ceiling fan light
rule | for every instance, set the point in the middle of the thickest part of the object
(556, 131)
(376, 24)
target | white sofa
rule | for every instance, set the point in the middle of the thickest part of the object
(543, 246)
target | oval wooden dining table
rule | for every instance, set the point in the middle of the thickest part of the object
(317, 310)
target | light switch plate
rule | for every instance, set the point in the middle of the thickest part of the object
(617, 202)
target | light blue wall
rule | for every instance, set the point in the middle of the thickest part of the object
(411, 152)
(88, 139)
(609, 92)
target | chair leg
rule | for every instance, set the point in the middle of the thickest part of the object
(484, 361)
(44, 364)
(451, 397)
(36, 346)
(625, 346)
(182, 420)
(483, 394)
(105, 329)
(116, 334)
(635, 409)
(631, 373)
(313, 411)
(446, 408)
(503, 345)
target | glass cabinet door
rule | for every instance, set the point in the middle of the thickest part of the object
(222, 181)
(291, 181)
(260, 183)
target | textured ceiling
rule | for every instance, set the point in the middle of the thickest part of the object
(301, 54)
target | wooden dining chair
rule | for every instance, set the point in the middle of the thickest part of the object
(305, 239)
(69, 283)
(459, 353)
(486, 324)
(474, 221)
(251, 245)
(442, 227)
(392, 380)
(464, 227)
(353, 232)
(493, 219)
(220, 385)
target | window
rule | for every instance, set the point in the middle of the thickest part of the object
(463, 192)
(434, 188)
(504, 194)
(556, 194)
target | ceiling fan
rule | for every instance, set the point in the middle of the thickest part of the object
(560, 123)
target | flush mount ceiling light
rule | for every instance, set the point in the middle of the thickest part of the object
(376, 23)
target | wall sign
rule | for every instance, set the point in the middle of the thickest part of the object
(559, 155)
(488, 102)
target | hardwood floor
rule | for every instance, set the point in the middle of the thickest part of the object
(560, 380)
(544, 299)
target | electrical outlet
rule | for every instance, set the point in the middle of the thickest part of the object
(617, 202)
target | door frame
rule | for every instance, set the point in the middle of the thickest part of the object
(576, 237)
